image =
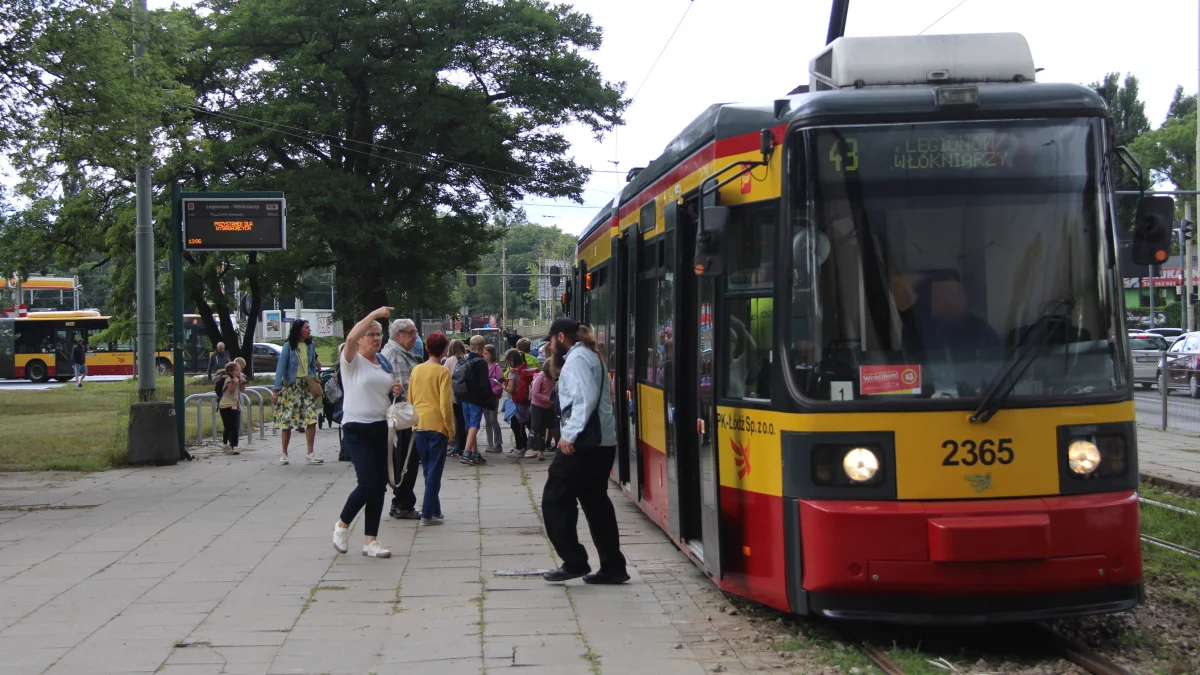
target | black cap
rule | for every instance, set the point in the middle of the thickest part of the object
(563, 325)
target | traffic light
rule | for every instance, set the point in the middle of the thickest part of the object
(471, 278)
(1186, 231)
(1151, 232)
(554, 275)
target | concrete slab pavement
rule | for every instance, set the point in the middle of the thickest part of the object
(224, 565)
(1172, 457)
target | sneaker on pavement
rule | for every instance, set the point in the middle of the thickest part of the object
(541, 456)
(400, 514)
(341, 538)
(283, 459)
(432, 521)
(376, 550)
(313, 459)
(493, 449)
(530, 454)
(229, 450)
(477, 460)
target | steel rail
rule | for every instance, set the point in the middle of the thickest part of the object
(1171, 547)
(1170, 507)
(1081, 655)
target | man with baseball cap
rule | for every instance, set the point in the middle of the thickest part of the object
(580, 470)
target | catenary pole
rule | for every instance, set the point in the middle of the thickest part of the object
(144, 246)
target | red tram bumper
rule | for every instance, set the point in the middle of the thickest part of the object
(997, 560)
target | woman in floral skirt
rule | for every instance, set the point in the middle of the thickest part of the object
(295, 406)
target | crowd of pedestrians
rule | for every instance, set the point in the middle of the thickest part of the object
(409, 404)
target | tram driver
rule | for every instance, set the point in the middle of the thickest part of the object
(959, 347)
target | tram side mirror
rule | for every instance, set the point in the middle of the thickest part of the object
(1152, 230)
(710, 241)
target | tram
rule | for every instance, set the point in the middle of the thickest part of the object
(867, 341)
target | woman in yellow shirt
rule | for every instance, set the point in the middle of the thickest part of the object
(429, 393)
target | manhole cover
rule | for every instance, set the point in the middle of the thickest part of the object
(521, 573)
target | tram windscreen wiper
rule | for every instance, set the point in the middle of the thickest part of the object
(1024, 352)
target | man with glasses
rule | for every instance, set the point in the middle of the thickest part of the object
(399, 351)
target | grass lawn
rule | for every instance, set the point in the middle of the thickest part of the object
(69, 429)
(1177, 575)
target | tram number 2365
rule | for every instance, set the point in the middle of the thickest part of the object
(970, 453)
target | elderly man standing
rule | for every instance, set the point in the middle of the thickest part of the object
(217, 362)
(399, 351)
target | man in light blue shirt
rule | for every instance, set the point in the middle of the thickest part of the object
(580, 470)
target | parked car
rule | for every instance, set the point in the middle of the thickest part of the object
(266, 358)
(1183, 364)
(1171, 334)
(1146, 350)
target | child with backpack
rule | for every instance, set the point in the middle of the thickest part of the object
(471, 387)
(541, 412)
(518, 383)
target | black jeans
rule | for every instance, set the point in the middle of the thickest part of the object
(367, 444)
(583, 478)
(231, 421)
(403, 496)
(460, 430)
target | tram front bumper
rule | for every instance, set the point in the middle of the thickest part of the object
(1083, 548)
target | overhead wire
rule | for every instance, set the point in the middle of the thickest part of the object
(308, 138)
(960, 4)
(664, 51)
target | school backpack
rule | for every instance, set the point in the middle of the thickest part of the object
(470, 381)
(525, 376)
(220, 389)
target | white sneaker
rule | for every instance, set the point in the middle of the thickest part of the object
(530, 454)
(435, 520)
(341, 538)
(376, 550)
(283, 459)
(313, 459)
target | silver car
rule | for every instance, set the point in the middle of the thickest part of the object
(1145, 349)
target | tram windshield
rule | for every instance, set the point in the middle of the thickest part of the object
(931, 257)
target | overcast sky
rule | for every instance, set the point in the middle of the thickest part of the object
(758, 50)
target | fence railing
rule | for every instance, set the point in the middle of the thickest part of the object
(1176, 379)
(246, 421)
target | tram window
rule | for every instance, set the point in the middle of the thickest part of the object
(751, 239)
(747, 343)
(647, 309)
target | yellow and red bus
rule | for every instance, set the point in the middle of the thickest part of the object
(867, 341)
(38, 347)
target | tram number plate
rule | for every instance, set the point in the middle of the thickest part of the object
(986, 452)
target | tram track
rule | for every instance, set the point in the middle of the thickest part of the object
(1079, 654)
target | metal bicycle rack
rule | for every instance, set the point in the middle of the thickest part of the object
(212, 400)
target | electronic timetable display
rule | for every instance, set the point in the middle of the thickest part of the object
(234, 224)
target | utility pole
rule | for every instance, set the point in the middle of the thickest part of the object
(503, 284)
(1189, 317)
(1191, 313)
(144, 245)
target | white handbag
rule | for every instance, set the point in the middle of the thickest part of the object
(401, 415)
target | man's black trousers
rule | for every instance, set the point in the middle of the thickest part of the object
(583, 478)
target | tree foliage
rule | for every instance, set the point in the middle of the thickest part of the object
(1129, 121)
(394, 127)
(527, 246)
(1169, 152)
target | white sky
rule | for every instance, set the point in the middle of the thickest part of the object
(758, 50)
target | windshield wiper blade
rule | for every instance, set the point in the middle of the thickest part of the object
(1024, 353)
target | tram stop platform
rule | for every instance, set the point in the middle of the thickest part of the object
(225, 565)
(1170, 458)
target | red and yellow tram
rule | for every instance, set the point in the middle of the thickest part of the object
(867, 341)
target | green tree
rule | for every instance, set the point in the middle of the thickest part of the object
(526, 246)
(1129, 121)
(1169, 152)
(394, 126)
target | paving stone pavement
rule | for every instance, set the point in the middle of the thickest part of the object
(225, 566)
(1170, 455)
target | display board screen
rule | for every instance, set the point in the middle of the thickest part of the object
(237, 224)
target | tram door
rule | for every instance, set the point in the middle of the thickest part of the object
(629, 454)
(700, 296)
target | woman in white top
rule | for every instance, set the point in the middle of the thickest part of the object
(368, 388)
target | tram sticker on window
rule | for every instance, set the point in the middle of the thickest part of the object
(880, 380)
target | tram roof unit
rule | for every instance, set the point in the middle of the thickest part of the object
(997, 65)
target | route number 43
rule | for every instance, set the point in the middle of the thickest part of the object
(847, 161)
(986, 452)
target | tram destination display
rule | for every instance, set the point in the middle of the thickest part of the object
(234, 224)
(1000, 149)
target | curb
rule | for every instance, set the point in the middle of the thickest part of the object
(1171, 484)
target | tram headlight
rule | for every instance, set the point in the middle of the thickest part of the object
(860, 465)
(1083, 456)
